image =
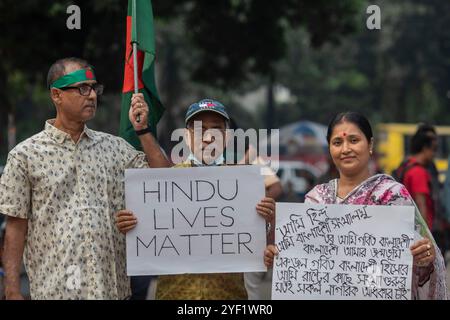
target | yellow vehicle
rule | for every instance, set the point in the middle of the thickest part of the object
(392, 145)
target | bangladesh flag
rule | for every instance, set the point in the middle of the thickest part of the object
(140, 30)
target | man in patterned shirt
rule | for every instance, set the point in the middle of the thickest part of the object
(60, 190)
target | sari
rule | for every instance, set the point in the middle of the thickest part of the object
(382, 189)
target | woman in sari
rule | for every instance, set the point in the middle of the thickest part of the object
(350, 143)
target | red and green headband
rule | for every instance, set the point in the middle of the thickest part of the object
(74, 77)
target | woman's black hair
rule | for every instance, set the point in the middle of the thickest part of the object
(352, 117)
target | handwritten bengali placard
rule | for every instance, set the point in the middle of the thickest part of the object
(343, 252)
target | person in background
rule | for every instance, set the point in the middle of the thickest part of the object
(417, 178)
(436, 185)
(259, 284)
(272, 183)
(350, 141)
(422, 180)
(440, 193)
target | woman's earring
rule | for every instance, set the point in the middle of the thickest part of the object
(370, 151)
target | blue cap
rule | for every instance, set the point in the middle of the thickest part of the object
(206, 105)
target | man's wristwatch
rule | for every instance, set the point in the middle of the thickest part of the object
(143, 131)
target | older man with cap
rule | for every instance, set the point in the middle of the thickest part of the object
(60, 190)
(206, 123)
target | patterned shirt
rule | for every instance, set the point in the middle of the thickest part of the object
(69, 193)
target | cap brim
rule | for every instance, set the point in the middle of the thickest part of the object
(206, 110)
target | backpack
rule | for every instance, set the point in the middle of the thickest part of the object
(399, 173)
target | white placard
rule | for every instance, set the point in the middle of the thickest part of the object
(343, 252)
(195, 220)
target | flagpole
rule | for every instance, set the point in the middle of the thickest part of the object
(135, 62)
(135, 74)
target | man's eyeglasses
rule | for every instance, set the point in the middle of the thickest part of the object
(85, 89)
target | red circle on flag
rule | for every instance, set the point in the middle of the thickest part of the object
(89, 74)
